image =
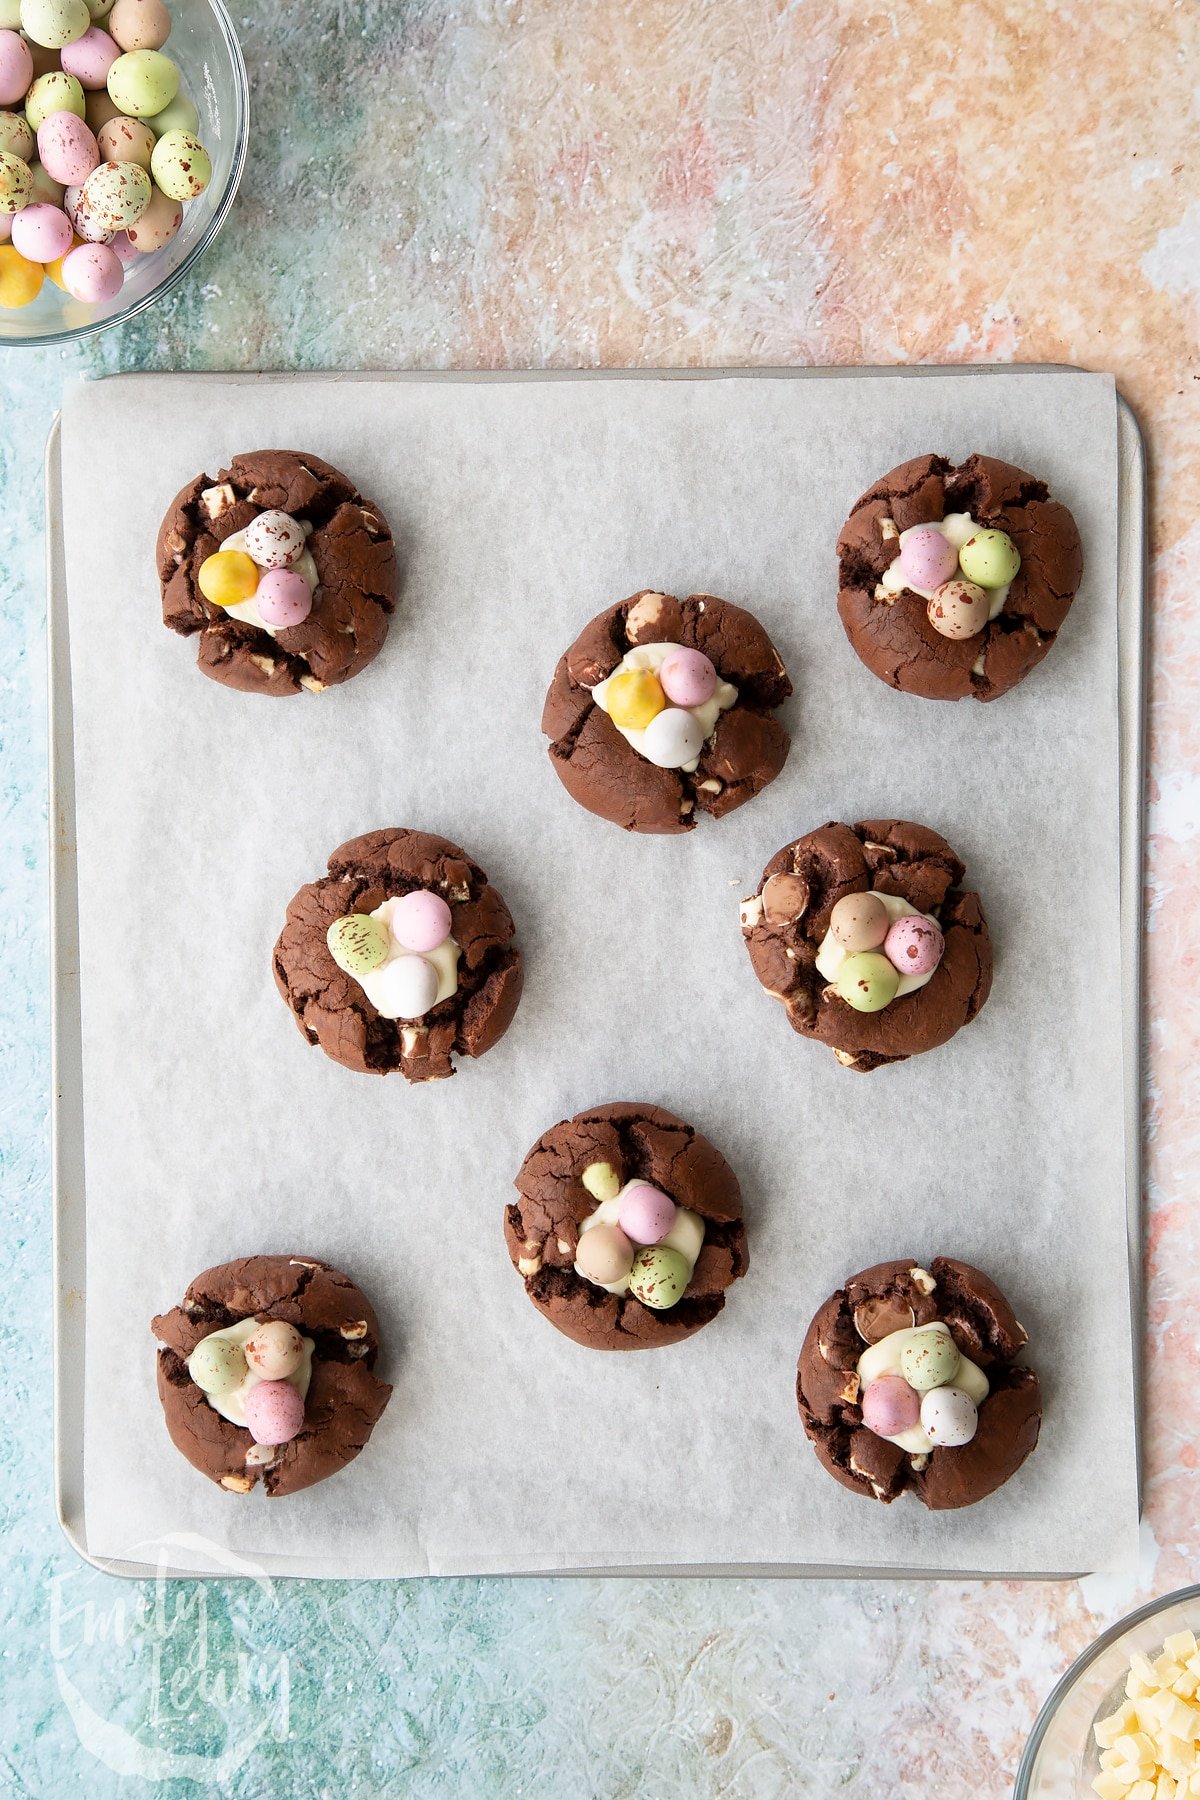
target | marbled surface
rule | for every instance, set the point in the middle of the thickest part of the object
(533, 183)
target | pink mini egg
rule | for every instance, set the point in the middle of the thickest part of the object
(421, 921)
(927, 558)
(92, 272)
(283, 598)
(66, 149)
(16, 67)
(90, 58)
(687, 677)
(914, 946)
(123, 249)
(42, 233)
(889, 1406)
(274, 1412)
(646, 1213)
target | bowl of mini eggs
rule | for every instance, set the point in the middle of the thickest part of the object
(123, 130)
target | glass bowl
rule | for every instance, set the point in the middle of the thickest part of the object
(1061, 1757)
(213, 76)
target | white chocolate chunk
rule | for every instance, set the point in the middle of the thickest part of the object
(1150, 1747)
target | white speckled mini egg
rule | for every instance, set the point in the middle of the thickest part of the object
(114, 196)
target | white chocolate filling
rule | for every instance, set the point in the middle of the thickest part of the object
(374, 983)
(957, 528)
(883, 1358)
(232, 1404)
(686, 1235)
(246, 610)
(833, 952)
(653, 656)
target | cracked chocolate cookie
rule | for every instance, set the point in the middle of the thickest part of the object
(662, 709)
(955, 579)
(866, 938)
(628, 1229)
(400, 958)
(908, 1381)
(266, 1373)
(281, 570)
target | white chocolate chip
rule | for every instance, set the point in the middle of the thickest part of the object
(564, 1249)
(260, 1454)
(312, 684)
(459, 893)
(917, 1463)
(265, 663)
(845, 1058)
(218, 500)
(685, 806)
(644, 616)
(237, 1484)
(528, 1265)
(356, 1330)
(922, 1279)
(751, 912)
(888, 528)
(850, 1388)
(411, 1038)
(711, 786)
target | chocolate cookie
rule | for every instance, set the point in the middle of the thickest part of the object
(696, 732)
(942, 1344)
(882, 980)
(295, 642)
(317, 1358)
(637, 1167)
(983, 642)
(387, 897)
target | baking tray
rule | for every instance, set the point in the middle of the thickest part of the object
(67, 1113)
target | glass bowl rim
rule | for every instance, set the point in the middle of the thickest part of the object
(1050, 1706)
(241, 86)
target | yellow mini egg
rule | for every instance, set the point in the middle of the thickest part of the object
(635, 698)
(20, 279)
(228, 578)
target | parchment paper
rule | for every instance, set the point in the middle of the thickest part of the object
(212, 1130)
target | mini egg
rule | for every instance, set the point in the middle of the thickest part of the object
(784, 898)
(357, 943)
(142, 82)
(990, 559)
(16, 139)
(217, 1365)
(16, 68)
(634, 697)
(180, 165)
(6, 220)
(930, 1358)
(122, 248)
(54, 269)
(274, 1412)
(20, 279)
(99, 8)
(688, 677)
(227, 577)
(126, 140)
(92, 272)
(276, 1350)
(949, 1417)
(405, 988)
(958, 609)
(646, 1213)
(867, 982)
(282, 597)
(114, 196)
(659, 1277)
(889, 1406)
(179, 115)
(601, 1181)
(87, 230)
(53, 93)
(157, 225)
(274, 539)
(672, 738)
(67, 149)
(42, 233)
(99, 107)
(54, 23)
(421, 921)
(913, 945)
(90, 58)
(140, 24)
(45, 62)
(604, 1254)
(46, 191)
(927, 557)
(10, 15)
(16, 183)
(860, 921)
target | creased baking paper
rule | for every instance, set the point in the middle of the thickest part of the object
(212, 1130)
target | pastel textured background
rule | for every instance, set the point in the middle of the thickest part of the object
(523, 184)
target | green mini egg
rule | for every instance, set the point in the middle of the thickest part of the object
(46, 190)
(930, 1359)
(142, 82)
(99, 9)
(16, 183)
(358, 943)
(990, 559)
(867, 982)
(217, 1365)
(179, 164)
(180, 115)
(659, 1276)
(50, 94)
(16, 139)
(54, 23)
(10, 15)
